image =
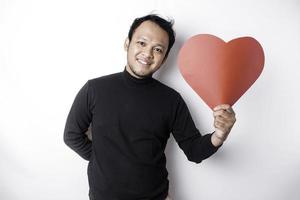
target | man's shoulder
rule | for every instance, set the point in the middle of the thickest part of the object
(105, 79)
(167, 89)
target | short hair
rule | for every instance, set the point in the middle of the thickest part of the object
(166, 25)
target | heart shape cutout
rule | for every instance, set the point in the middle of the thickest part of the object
(220, 72)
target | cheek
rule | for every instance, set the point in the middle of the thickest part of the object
(132, 50)
(159, 59)
(136, 48)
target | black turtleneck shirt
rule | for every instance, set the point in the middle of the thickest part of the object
(131, 120)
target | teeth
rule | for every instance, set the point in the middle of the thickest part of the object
(143, 62)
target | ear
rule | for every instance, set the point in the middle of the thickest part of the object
(126, 44)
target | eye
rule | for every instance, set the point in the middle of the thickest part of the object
(158, 50)
(141, 43)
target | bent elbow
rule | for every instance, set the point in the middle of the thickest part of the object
(195, 159)
(67, 140)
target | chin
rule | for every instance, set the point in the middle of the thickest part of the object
(142, 75)
(141, 72)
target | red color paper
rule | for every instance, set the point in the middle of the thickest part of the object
(220, 72)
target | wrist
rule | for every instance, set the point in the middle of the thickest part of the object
(216, 140)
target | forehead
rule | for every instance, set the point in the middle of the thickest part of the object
(152, 32)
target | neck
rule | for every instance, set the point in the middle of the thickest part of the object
(131, 79)
(131, 72)
(134, 75)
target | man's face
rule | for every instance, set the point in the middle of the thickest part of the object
(146, 50)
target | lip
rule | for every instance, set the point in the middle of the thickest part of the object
(143, 61)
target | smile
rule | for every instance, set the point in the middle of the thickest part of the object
(143, 62)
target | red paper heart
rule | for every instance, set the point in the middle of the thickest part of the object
(220, 72)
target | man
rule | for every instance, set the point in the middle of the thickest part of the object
(132, 115)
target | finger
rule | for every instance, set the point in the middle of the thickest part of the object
(228, 121)
(221, 107)
(222, 120)
(223, 113)
(230, 110)
(219, 125)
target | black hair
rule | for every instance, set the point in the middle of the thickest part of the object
(162, 23)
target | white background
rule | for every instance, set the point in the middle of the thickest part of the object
(49, 49)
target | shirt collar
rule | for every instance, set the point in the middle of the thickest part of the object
(136, 81)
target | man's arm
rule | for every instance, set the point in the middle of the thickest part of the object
(78, 121)
(196, 147)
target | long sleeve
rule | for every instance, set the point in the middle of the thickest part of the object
(195, 146)
(78, 121)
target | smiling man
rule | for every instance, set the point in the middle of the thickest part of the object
(132, 116)
(146, 49)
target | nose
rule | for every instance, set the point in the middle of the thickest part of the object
(148, 53)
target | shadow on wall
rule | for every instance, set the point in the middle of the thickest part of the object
(174, 189)
(171, 61)
(290, 186)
